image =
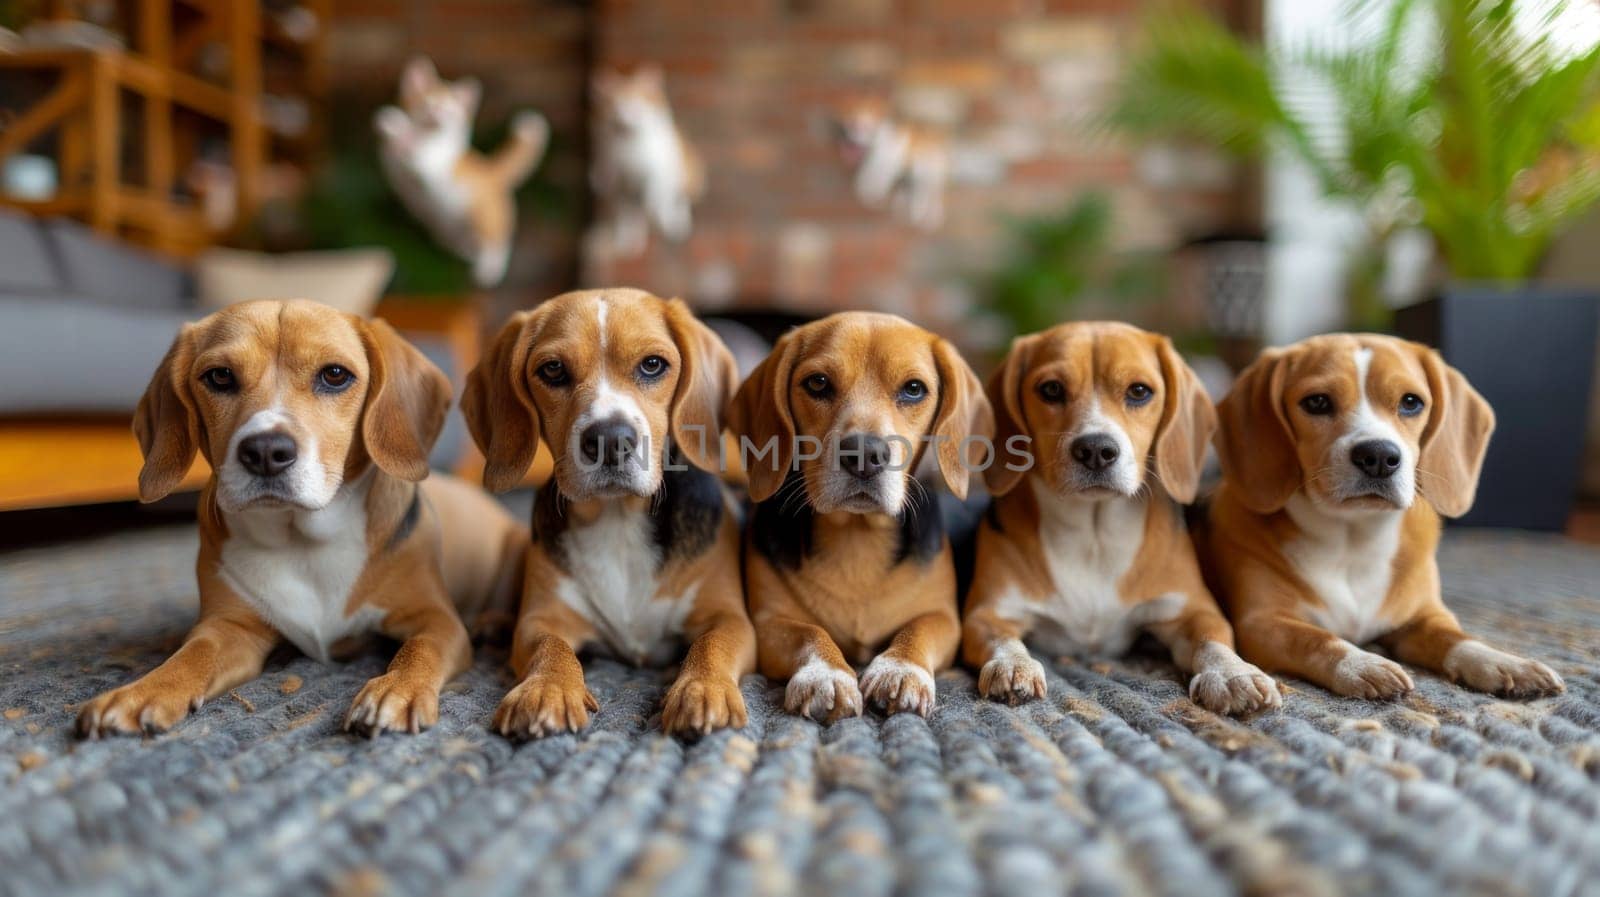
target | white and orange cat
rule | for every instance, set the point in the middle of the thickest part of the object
(888, 153)
(462, 197)
(645, 173)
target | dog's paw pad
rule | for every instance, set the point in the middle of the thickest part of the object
(135, 708)
(822, 692)
(540, 706)
(698, 705)
(1362, 674)
(1486, 669)
(898, 686)
(1235, 691)
(393, 703)
(1012, 675)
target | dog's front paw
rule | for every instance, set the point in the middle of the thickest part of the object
(544, 705)
(822, 692)
(898, 686)
(1480, 667)
(696, 705)
(1362, 674)
(1234, 691)
(1012, 675)
(141, 706)
(393, 703)
(1224, 683)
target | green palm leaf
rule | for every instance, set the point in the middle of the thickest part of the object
(1491, 104)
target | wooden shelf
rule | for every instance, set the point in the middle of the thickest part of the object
(54, 463)
(85, 111)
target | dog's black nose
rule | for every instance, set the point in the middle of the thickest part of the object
(1377, 458)
(268, 454)
(863, 456)
(1095, 451)
(608, 443)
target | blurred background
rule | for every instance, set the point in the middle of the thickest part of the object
(1236, 173)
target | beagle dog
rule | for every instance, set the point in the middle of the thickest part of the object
(1105, 429)
(314, 526)
(846, 558)
(1339, 454)
(635, 542)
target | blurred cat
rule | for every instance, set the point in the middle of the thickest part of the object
(462, 197)
(645, 173)
(886, 154)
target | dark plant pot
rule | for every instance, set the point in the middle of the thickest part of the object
(1228, 273)
(1530, 350)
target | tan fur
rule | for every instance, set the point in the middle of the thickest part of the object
(510, 408)
(1014, 588)
(1275, 458)
(381, 427)
(847, 600)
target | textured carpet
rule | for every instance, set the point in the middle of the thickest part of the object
(1115, 784)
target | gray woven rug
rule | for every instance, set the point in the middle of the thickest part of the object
(1115, 785)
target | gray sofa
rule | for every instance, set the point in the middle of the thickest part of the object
(85, 320)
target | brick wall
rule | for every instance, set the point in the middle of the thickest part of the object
(1013, 81)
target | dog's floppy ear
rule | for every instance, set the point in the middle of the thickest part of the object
(166, 422)
(1254, 442)
(760, 414)
(706, 382)
(407, 399)
(1455, 439)
(1005, 399)
(499, 410)
(963, 412)
(1188, 421)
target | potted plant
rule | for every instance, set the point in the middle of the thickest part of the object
(1463, 117)
(1057, 262)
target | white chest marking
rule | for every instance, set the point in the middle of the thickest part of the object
(297, 568)
(612, 566)
(1088, 547)
(1348, 562)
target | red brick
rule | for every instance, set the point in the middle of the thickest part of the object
(751, 81)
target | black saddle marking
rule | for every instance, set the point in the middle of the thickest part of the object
(408, 521)
(782, 528)
(686, 510)
(685, 513)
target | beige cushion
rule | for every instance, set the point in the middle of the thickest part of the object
(350, 280)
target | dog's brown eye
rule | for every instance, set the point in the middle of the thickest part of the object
(1052, 391)
(913, 391)
(1411, 405)
(334, 378)
(553, 373)
(1317, 404)
(652, 367)
(817, 385)
(1139, 393)
(219, 380)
